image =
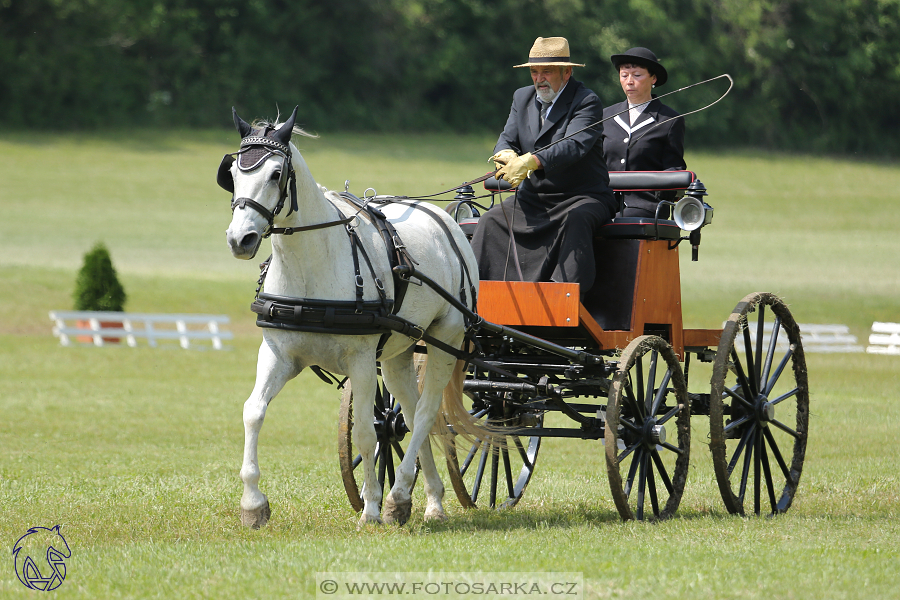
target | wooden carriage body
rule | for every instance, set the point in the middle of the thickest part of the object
(638, 289)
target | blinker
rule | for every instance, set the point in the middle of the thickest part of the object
(223, 177)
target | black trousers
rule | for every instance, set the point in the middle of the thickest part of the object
(553, 237)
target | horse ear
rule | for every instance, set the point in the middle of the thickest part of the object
(242, 126)
(283, 134)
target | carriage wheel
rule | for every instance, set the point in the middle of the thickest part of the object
(643, 461)
(390, 430)
(491, 473)
(759, 409)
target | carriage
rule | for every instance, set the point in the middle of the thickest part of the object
(614, 367)
(539, 361)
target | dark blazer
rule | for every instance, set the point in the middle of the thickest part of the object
(658, 149)
(573, 167)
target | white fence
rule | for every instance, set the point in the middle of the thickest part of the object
(885, 338)
(100, 328)
(816, 338)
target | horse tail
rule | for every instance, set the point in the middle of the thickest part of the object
(454, 420)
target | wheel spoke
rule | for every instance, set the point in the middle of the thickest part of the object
(675, 410)
(627, 451)
(651, 487)
(476, 486)
(632, 471)
(651, 382)
(468, 461)
(389, 462)
(733, 393)
(785, 396)
(777, 454)
(760, 332)
(629, 425)
(770, 354)
(742, 379)
(751, 371)
(770, 385)
(661, 393)
(639, 375)
(674, 449)
(785, 428)
(737, 423)
(767, 469)
(739, 449)
(400, 453)
(642, 486)
(663, 473)
(356, 462)
(522, 454)
(757, 476)
(495, 463)
(508, 470)
(748, 455)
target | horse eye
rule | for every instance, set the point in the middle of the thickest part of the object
(276, 175)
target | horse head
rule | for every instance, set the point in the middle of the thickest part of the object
(261, 178)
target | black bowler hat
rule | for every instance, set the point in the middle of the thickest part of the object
(644, 58)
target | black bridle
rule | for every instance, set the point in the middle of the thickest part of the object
(287, 184)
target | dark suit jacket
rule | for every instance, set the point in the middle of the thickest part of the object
(658, 149)
(573, 167)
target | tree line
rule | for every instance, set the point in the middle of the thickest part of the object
(811, 75)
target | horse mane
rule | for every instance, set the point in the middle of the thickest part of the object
(261, 123)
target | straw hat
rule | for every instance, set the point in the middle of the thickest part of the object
(645, 58)
(552, 52)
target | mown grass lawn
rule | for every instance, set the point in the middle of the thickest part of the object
(136, 452)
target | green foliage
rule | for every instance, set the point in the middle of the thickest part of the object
(816, 76)
(97, 286)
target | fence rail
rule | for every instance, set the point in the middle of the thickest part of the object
(818, 338)
(101, 328)
(884, 339)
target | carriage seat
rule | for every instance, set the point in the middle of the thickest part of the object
(625, 181)
(641, 228)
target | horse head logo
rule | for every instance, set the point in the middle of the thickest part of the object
(39, 557)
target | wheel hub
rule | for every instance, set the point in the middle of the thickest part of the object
(765, 410)
(653, 434)
(392, 428)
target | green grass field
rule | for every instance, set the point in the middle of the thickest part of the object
(136, 452)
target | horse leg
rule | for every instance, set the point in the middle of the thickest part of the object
(397, 506)
(364, 388)
(400, 378)
(272, 373)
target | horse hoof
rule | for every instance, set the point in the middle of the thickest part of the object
(396, 512)
(435, 515)
(256, 518)
(365, 520)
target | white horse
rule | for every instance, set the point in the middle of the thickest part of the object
(319, 264)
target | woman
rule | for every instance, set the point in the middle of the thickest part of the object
(635, 140)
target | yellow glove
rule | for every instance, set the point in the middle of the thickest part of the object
(518, 168)
(502, 158)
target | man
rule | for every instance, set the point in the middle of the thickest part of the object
(563, 189)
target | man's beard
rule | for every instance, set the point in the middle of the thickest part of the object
(546, 94)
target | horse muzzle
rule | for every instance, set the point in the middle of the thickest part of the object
(243, 245)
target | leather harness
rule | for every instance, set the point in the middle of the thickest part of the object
(343, 317)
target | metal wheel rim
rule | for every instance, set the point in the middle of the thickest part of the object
(762, 440)
(628, 419)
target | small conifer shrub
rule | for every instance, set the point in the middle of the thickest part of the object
(97, 287)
